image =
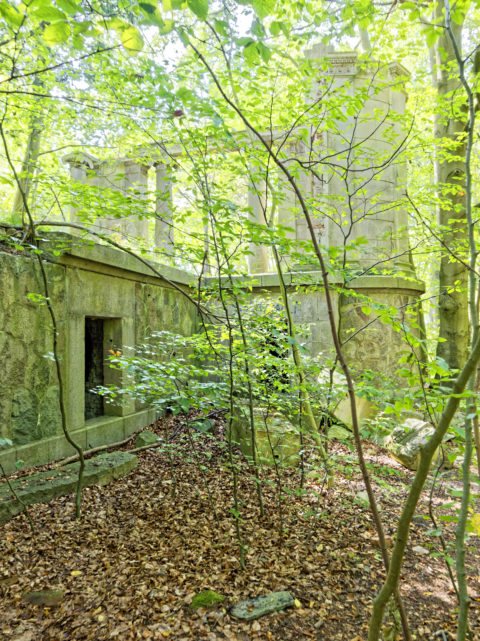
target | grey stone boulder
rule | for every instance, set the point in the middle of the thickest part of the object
(406, 442)
(250, 609)
(146, 438)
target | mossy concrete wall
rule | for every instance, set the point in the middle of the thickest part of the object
(84, 280)
(91, 280)
(29, 409)
(368, 343)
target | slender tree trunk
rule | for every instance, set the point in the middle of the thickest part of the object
(29, 164)
(450, 125)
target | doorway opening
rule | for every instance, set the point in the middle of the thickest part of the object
(94, 367)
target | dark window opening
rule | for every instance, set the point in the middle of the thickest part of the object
(93, 366)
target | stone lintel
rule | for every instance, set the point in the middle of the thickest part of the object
(88, 254)
(314, 278)
(81, 158)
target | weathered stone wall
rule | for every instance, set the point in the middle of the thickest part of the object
(131, 302)
(377, 346)
(125, 297)
(29, 408)
(162, 309)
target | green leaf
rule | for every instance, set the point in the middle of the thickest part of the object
(132, 40)
(168, 25)
(117, 24)
(56, 33)
(69, 6)
(458, 431)
(199, 8)
(475, 524)
(185, 404)
(48, 14)
(263, 8)
(221, 27)
(183, 36)
(154, 17)
(275, 28)
(169, 5)
(257, 29)
(250, 53)
(458, 13)
(148, 7)
(264, 52)
(217, 121)
(431, 36)
(11, 14)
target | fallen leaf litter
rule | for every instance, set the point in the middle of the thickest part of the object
(130, 569)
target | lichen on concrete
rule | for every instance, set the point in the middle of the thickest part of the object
(44, 486)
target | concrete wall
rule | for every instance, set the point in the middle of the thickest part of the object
(376, 347)
(84, 281)
(95, 281)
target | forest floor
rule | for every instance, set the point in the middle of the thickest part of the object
(149, 542)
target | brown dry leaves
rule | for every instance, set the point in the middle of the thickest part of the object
(130, 568)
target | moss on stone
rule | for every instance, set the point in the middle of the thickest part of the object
(206, 598)
(44, 486)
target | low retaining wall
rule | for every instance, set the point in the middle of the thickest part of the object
(106, 299)
(89, 285)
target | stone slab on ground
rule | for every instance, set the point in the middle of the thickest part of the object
(47, 598)
(255, 608)
(44, 486)
(147, 437)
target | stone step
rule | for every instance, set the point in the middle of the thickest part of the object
(44, 486)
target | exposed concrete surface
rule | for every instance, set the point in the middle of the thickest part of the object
(44, 486)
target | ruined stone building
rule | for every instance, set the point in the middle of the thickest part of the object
(105, 298)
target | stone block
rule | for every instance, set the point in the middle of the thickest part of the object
(8, 458)
(365, 411)
(24, 420)
(251, 609)
(277, 439)
(44, 486)
(405, 443)
(50, 418)
(146, 438)
(57, 447)
(103, 430)
(137, 421)
(44, 598)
